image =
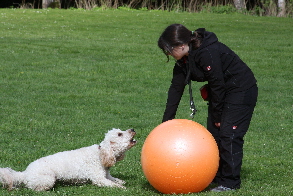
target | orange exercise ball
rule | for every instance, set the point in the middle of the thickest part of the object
(180, 156)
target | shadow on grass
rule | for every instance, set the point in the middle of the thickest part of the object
(149, 187)
(60, 183)
(247, 172)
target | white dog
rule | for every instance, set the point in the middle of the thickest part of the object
(85, 164)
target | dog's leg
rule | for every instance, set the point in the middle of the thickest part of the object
(40, 182)
(104, 182)
(108, 176)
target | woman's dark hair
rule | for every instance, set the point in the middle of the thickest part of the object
(177, 35)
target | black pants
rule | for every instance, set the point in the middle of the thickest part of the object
(236, 117)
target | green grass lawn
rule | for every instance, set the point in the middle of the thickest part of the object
(68, 76)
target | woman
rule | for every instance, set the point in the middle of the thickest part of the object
(232, 93)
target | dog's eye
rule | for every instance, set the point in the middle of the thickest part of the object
(120, 134)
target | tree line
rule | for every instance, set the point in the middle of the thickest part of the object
(258, 7)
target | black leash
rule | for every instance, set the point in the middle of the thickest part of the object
(192, 106)
(188, 81)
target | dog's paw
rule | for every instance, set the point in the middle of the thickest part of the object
(119, 181)
(120, 186)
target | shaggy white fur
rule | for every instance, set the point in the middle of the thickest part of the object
(85, 164)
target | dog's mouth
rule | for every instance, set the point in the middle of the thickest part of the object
(132, 140)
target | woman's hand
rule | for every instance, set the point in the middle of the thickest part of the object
(218, 124)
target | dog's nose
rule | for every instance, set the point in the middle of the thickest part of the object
(132, 130)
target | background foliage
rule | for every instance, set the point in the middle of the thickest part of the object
(68, 76)
(254, 7)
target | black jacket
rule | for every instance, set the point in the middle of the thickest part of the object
(215, 63)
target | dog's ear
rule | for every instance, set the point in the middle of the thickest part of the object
(107, 155)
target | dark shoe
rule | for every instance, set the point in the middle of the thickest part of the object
(221, 189)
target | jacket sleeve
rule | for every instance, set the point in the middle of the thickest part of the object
(175, 93)
(210, 61)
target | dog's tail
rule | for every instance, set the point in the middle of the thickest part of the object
(10, 178)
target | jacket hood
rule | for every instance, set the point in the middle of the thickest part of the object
(208, 38)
